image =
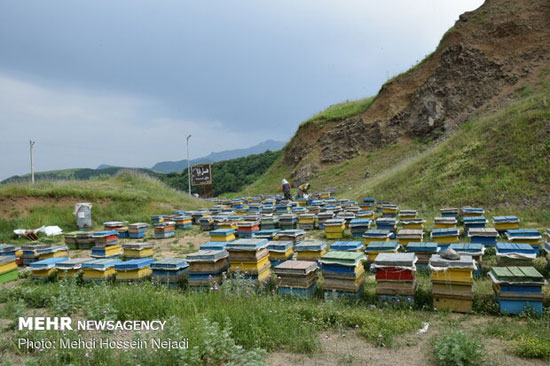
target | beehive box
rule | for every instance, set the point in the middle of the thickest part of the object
(376, 235)
(525, 236)
(407, 214)
(474, 222)
(280, 251)
(294, 235)
(449, 212)
(503, 223)
(376, 247)
(56, 251)
(137, 230)
(137, 250)
(8, 268)
(334, 228)
(485, 236)
(518, 289)
(389, 210)
(423, 251)
(368, 204)
(134, 270)
(310, 249)
(414, 224)
(404, 236)
(347, 246)
(359, 226)
(43, 269)
(515, 254)
(99, 269)
(386, 223)
(445, 236)
(445, 222)
(71, 267)
(459, 271)
(222, 235)
(472, 211)
(106, 251)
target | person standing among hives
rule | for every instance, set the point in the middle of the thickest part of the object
(303, 190)
(286, 190)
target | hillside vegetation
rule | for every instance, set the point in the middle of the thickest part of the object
(127, 196)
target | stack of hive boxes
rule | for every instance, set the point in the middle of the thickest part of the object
(247, 229)
(395, 276)
(405, 236)
(306, 221)
(476, 250)
(407, 214)
(8, 268)
(518, 289)
(473, 222)
(165, 230)
(70, 268)
(296, 278)
(359, 226)
(366, 215)
(134, 269)
(250, 257)
(206, 267)
(183, 222)
(232, 222)
(266, 234)
(486, 236)
(343, 273)
(295, 236)
(156, 219)
(169, 271)
(71, 239)
(334, 228)
(269, 222)
(445, 237)
(347, 246)
(413, 224)
(288, 221)
(222, 235)
(525, 236)
(445, 222)
(99, 269)
(43, 269)
(503, 223)
(118, 226)
(368, 204)
(515, 254)
(280, 251)
(207, 222)
(30, 253)
(282, 208)
(106, 244)
(137, 230)
(386, 223)
(376, 235)
(347, 216)
(423, 252)
(324, 216)
(310, 250)
(452, 283)
(389, 210)
(137, 250)
(377, 247)
(449, 212)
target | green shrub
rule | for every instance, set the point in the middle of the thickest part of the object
(458, 349)
(532, 347)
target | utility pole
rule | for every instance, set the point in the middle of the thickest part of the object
(188, 165)
(32, 159)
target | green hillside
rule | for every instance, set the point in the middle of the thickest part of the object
(499, 162)
(127, 196)
(78, 174)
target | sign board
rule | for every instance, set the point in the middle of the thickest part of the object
(201, 175)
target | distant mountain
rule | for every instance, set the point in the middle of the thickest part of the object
(178, 166)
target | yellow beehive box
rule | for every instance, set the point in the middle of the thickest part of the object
(405, 241)
(228, 225)
(57, 254)
(533, 242)
(335, 229)
(43, 273)
(453, 304)
(446, 239)
(94, 274)
(363, 216)
(413, 225)
(444, 226)
(222, 238)
(367, 241)
(306, 220)
(310, 254)
(133, 274)
(245, 266)
(67, 273)
(503, 226)
(134, 253)
(8, 266)
(275, 256)
(338, 235)
(463, 275)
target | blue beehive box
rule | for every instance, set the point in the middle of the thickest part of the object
(382, 246)
(101, 263)
(386, 223)
(8, 249)
(515, 248)
(310, 246)
(247, 244)
(47, 263)
(134, 264)
(359, 226)
(377, 233)
(424, 247)
(471, 222)
(449, 212)
(472, 211)
(348, 246)
(266, 234)
(170, 264)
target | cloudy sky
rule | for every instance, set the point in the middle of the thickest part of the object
(123, 82)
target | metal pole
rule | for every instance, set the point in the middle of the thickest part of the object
(188, 165)
(32, 159)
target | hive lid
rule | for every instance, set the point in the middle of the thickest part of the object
(282, 245)
(138, 246)
(295, 267)
(101, 263)
(346, 245)
(445, 232)
(207, 256)
(75, 263)
(488, 232)
(465, 261)
(377, 246)
(292, 233)
(343, 258)
(7, 259)
(247, 244)
(310, 245)
(505, 219)
(5, 248)
(47, 263)
(422, 247)
(377, 233)
(517, 274)
(134, 264)
(395, 259)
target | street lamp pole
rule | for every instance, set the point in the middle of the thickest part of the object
(188, 165)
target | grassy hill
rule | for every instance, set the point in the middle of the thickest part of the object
(498, 161)
(127, 196)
